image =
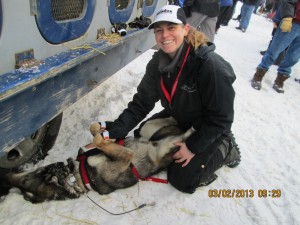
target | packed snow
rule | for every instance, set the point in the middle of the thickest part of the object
(266, 128)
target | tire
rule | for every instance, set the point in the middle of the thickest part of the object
(33, 149)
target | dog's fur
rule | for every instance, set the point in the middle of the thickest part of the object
(109, 169)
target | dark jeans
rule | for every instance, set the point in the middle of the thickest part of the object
(280, 42)
(246, 13)
(281, 55)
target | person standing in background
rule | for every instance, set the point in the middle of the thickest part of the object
(286, 35)
(258, 4)
(225, 10)
(276, 18)
(246, 13)
(203, 15)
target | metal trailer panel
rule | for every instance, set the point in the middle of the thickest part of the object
(27, 106)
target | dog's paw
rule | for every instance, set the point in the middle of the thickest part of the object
(98, 140)
(95, 128)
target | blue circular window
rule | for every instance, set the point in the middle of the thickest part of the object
(149, 7)
(61, 21)
(120, 10)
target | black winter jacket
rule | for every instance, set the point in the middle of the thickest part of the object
(203, 100)
(210, 8)
(290, 8)
(251, 2)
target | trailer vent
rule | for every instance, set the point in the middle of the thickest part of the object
(121, 4)
(67, 9)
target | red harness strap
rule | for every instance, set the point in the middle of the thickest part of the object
(154, 179)
(81, 158)
(86, 181)
(120, 142)
(136, 173)
(83, 173)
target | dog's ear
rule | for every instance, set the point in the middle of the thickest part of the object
(174, 149)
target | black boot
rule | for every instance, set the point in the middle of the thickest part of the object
(278, 83)
(237, 18)
(257, 78)
(262, 52)
(211, 178)
(230, 151)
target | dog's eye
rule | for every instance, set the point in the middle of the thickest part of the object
(155, 144)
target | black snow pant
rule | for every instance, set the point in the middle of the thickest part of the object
(188, 178)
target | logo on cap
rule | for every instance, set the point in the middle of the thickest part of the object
(164, 11)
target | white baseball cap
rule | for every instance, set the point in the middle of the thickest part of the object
(169, 13)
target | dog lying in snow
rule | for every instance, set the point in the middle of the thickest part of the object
(105, 167)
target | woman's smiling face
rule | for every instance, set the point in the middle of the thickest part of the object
(169, 36)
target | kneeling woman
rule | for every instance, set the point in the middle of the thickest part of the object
(194, 86)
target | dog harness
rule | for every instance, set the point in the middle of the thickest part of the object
(150, 178)
(82, 164)
(136, 173)
(88, 151)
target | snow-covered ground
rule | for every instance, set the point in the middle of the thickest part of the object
(266, 128)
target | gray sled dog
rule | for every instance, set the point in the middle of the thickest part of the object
(105, 168)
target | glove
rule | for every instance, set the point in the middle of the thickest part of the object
(115, 130)
(286, 24)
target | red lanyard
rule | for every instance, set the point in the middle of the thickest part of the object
(174, 87)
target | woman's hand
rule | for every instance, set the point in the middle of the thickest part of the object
(183, 154)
